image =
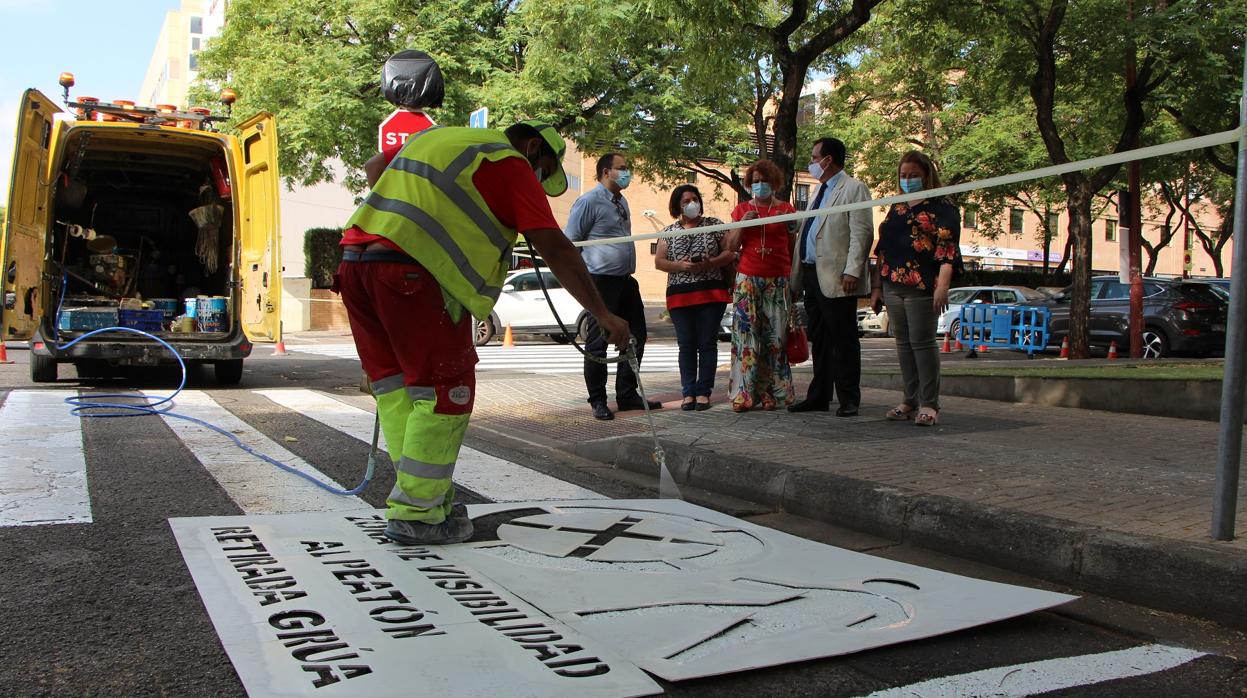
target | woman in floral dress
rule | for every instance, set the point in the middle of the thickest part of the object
(760, 373)
(917, 254)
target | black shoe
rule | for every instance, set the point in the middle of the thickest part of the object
(807, 406)
(846, 411)
(688, 406)
(703, 406)
(626, 405)
(601, 411)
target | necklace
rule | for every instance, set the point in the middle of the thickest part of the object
(762, 249)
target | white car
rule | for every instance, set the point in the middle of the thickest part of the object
(523, 306)
(950, 320)
(870, 322)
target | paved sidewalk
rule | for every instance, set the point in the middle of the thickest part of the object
(1090, 498)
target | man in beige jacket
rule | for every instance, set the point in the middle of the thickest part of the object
(831, 265)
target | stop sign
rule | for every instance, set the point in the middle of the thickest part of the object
(396, 127)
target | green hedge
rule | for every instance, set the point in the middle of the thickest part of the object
(1011, 277)
(321, 255)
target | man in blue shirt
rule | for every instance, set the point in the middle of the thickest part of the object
(602, 212)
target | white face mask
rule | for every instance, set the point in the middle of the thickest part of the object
(692, 210)
(816, 170)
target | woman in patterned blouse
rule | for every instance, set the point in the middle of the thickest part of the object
(697, 292)
(917, 254)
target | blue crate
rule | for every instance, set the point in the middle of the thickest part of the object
(86, 319)
(145, 320)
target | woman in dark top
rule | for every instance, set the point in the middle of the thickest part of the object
(697, 292)
(917, 254)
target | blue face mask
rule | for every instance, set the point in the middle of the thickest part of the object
(910, 185)
(761, 190)
(623, 178)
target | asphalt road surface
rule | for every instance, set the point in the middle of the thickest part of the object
(96, 598)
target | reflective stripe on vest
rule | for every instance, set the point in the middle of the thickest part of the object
(425, 202)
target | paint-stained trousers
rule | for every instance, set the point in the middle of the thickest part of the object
(415, 345)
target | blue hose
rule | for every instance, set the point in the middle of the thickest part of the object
(82, 406)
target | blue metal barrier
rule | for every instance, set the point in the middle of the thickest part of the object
(1024, 328)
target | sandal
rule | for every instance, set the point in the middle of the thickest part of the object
(900, 413)
(688, 405)
(703, 404)
(927, 417)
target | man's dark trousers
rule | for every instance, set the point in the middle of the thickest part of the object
(837, 351)
(622, 296)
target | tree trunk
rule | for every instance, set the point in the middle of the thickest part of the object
(784, 125)
(1079, 205)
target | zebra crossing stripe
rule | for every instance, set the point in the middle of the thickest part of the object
(486, 475)
(43, 468)
(1049, 674)
(255, 486)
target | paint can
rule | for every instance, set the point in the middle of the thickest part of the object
(192, 305)
(212, 314)
(167, 306)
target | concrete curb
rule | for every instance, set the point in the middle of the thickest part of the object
(1193, 578)
(1158, 398)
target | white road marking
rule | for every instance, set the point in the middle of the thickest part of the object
(489, 476)
(255, 486)
(43, 469)
(544, 359)
(1050, 674)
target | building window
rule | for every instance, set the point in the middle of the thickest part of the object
(1054, 223)
(1015, 221)
(573, 183)
(197, 25)
(195, 44)
(691, 178)
(194, 62)
(1110, 230)
(970, 217)
(803, 197)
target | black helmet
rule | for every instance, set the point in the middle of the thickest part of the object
(412, 79)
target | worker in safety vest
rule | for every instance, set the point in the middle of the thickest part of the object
(428, 249)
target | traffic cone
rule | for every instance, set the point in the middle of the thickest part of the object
(958, 346)
(948, 346)
(982, 348)
(1112, 350)
(507, 339)
(280, 349)
(1064, 348)
(4, 356)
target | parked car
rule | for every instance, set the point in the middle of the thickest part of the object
(868, 321)
(949, 320)
(1179, 316)
(523, 306)
(1221, 287)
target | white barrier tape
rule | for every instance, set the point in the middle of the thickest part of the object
(317, 300)
(1114, 159)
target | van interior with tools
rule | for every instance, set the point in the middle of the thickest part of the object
(139, 220)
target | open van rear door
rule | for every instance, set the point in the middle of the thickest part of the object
(260, 257)
(24, 243)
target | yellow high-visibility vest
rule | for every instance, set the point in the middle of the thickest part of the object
(426, 203)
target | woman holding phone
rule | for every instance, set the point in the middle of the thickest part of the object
(697, 292)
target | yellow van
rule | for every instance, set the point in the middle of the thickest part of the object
(147, 218)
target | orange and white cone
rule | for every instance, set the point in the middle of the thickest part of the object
(1064, 348)
(958, 346)
(1112, 350)
(4, 355)
(507, 339)
(948, 346)
(280, 349)
(982, 348)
